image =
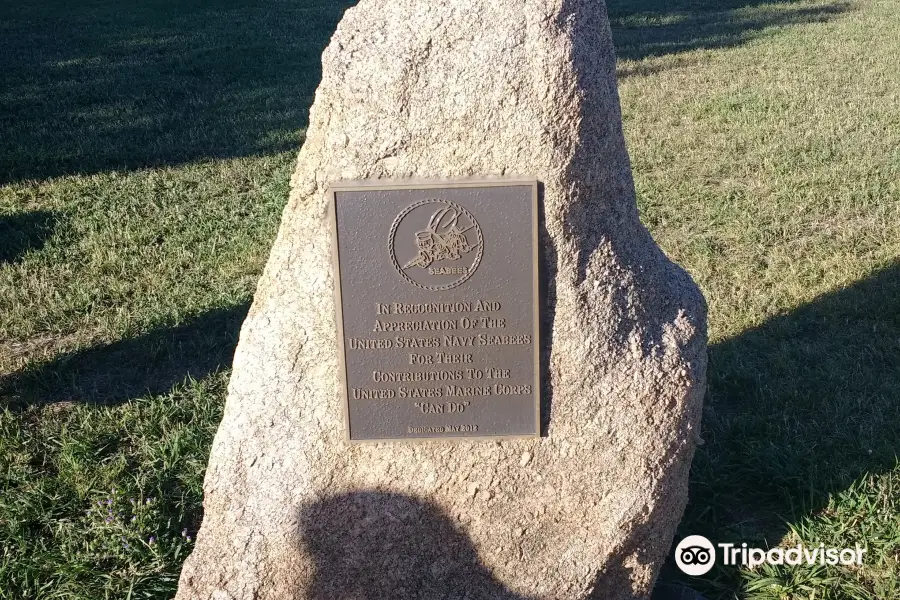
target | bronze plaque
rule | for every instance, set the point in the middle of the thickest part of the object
(436, 289)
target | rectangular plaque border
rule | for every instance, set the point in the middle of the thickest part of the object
(386, 185)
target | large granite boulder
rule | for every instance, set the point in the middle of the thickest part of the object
(453, 88)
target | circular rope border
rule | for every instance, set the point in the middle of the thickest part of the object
(435, 288)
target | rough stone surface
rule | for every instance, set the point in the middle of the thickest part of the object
(450, 88)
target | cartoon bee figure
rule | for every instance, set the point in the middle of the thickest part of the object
(441, 240)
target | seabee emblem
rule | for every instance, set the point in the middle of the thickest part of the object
(441, 240)
(436, 244)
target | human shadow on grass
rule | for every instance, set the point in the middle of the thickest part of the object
(92, 86)
(797, 409)
(24, 232)
(656, 28)
(148, 364)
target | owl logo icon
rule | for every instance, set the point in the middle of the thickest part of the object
(695, 555)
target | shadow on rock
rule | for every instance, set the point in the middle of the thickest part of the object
(382, 546)
(148, 364)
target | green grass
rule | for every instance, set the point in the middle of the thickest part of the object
(144, 161)
(102, 502)
(767, 161)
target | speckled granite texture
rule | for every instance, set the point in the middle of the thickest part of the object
(452, 88)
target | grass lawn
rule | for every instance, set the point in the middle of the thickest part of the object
(144, 161)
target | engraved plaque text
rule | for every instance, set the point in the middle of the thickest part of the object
(437, 296)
